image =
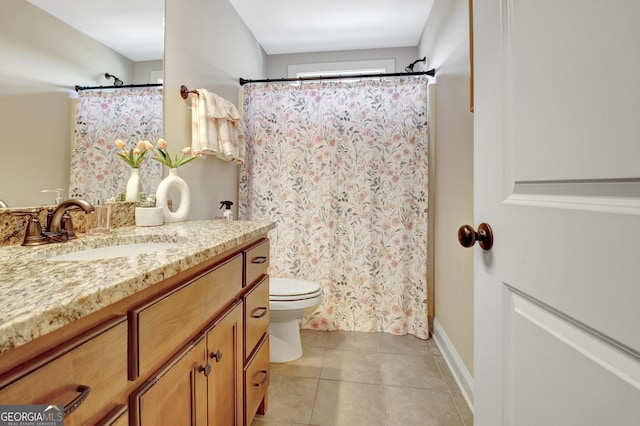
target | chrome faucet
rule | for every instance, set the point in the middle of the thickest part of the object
(59, 227)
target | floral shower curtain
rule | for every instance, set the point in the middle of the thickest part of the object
(102, 116)
(342, 168)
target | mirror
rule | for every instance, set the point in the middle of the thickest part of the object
(43, 60)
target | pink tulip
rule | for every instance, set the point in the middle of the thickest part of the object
(140, 146)
(148, 146)
(162, 143)
(120, 144)
(187, 150)
(136, 151)
(197, 152)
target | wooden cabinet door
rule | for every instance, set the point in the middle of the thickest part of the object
(177, 395)
(224, 343)
(119, 416)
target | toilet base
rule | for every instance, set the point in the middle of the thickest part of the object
(284, 340)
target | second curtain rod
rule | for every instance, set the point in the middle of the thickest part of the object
(431, 72)
(124, 86)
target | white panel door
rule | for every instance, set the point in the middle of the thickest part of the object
(557, 176)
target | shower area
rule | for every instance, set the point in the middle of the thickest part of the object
(342, 167)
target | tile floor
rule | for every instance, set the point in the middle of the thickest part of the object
(364, 379)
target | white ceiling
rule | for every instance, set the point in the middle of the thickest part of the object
(294, 26)
(135, 28)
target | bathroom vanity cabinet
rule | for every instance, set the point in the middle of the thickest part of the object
(192, 349)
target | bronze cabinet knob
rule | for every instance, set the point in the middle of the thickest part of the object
(217, 355)
(205, 369)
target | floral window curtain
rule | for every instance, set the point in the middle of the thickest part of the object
(342, 168)
(102, 116)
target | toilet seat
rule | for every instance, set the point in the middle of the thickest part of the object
(291, 294)
(287, 289)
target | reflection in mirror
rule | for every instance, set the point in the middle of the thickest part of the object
(102, 116)
(43, 59)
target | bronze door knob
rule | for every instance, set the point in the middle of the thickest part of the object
(467, 236)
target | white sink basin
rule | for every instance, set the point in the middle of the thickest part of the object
(112, 252)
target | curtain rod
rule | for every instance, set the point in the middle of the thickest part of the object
(431, 72)
(79, 88)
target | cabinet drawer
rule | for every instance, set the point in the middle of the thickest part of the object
(256, 315)
(90, 369)
(256, 261)
(162, 326)
(256, 382)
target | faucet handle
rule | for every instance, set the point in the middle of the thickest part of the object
(49, 217)
(33, 235)
(67, 225)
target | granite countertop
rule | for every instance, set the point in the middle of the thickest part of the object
(38, 296)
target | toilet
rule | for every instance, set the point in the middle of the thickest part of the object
(288, 301)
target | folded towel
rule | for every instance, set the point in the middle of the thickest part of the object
(217, 127)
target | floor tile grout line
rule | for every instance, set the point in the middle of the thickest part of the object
(437, 389)
(315, 398)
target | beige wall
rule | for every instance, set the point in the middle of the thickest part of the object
(445, 43)
(142, 71)
(42, 61)
(206, 46)
(277, 65)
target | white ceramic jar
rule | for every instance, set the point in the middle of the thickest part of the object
(149, 216)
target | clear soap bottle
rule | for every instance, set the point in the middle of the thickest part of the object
(228, 213)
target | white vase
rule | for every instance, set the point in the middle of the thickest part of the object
(134, 186)
(179, 186)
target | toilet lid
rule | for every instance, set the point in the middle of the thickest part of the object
(288, 287)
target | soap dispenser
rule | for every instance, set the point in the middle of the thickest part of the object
(228, 213)
(58, 192)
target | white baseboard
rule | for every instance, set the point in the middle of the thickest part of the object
(453, 360)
